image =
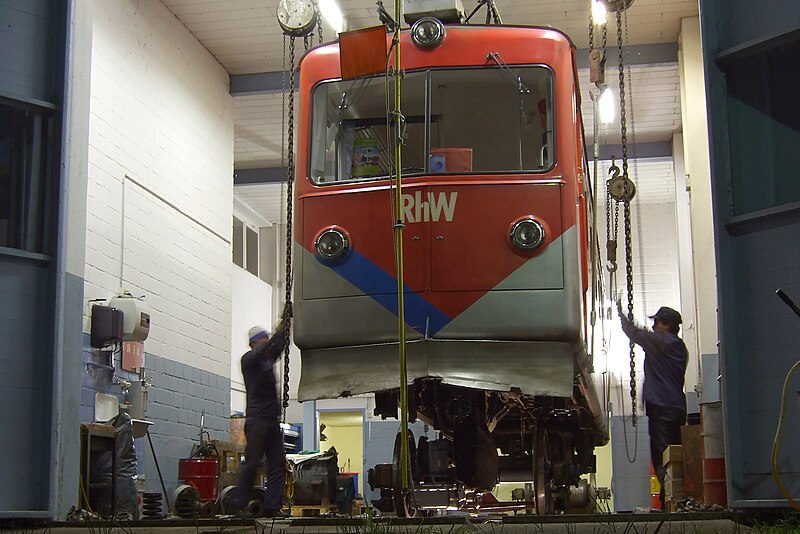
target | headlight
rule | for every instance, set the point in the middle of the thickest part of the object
(527, 234)
(427, 32)
(331, 244)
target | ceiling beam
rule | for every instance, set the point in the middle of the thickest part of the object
(262, 83)
(636, 55)
(264, 175)
(273, 175)
(661, 149)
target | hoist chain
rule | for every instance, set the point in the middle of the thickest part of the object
(591, 26)
(283, 104)
(289, 187)
(622, 115)
(319, 20)
(604, 39)
(635, 174)
(626, 206)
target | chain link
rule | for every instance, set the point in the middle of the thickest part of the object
(604, 39)
(283, 104)
(626, 205)
(635, 173)
(287, 310)
(319, 21)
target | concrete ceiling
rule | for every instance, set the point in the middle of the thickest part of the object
(246, 39)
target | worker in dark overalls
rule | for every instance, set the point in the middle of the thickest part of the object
(665, 361)
(262, 424)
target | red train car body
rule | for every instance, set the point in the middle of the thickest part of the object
(495, 248)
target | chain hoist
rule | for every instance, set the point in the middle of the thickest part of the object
(619, 188)
(297, 18)
(628, 191)
(635, 174)
(288, 277)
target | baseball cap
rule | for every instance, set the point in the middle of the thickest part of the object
(256, 333)
(667, 315)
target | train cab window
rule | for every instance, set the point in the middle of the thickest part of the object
(351, 136)
(472, 120)
(492, 119)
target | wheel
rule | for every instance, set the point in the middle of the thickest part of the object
(225, 505)
(541, 473)
(404, 504)
(186, 502)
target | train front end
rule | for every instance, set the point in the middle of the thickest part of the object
(494, 247)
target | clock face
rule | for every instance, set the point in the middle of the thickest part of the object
(296, 17)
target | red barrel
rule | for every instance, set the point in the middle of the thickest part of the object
(202, 474)
(715, 489)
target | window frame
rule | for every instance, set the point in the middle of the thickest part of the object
(31, 193)
(551, 131)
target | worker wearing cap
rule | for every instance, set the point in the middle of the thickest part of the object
(665, 361)
(262, 424)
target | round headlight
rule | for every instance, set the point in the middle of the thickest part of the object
(527, 234)
(331, 244)
(427, 32)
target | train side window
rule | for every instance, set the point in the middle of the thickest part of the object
(352, 129)
(493, 119)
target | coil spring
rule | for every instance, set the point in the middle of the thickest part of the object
(151, 506)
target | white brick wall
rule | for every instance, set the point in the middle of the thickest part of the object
(161, 113)
(655, 277)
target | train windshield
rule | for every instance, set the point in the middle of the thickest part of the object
(462, 121)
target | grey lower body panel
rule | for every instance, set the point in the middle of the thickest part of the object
(534, 367)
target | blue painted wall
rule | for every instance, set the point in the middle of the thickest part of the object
(32, 41)
(25, 395)
(754, 159)
(27, 38)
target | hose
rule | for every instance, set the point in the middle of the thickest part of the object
(776, 442)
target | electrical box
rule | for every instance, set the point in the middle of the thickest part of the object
(107, 325)
(136, 324)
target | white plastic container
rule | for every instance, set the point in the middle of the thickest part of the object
(136, 324)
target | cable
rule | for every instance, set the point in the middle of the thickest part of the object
(776, 442)
(625, 430)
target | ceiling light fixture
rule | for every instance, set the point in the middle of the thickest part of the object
(606, 105)
(332, 14)
(599, 12)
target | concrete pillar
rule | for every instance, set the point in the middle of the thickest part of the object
(698, 184)
(685, 265)
(68, 343)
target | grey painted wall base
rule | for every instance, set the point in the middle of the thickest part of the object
(179, 394)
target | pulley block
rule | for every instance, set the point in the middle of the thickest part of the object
(621, 188)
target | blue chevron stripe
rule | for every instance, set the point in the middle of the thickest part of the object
(382, 287)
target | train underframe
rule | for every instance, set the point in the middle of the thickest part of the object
(485, 437)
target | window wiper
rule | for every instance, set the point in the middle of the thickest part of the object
(516, 80)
